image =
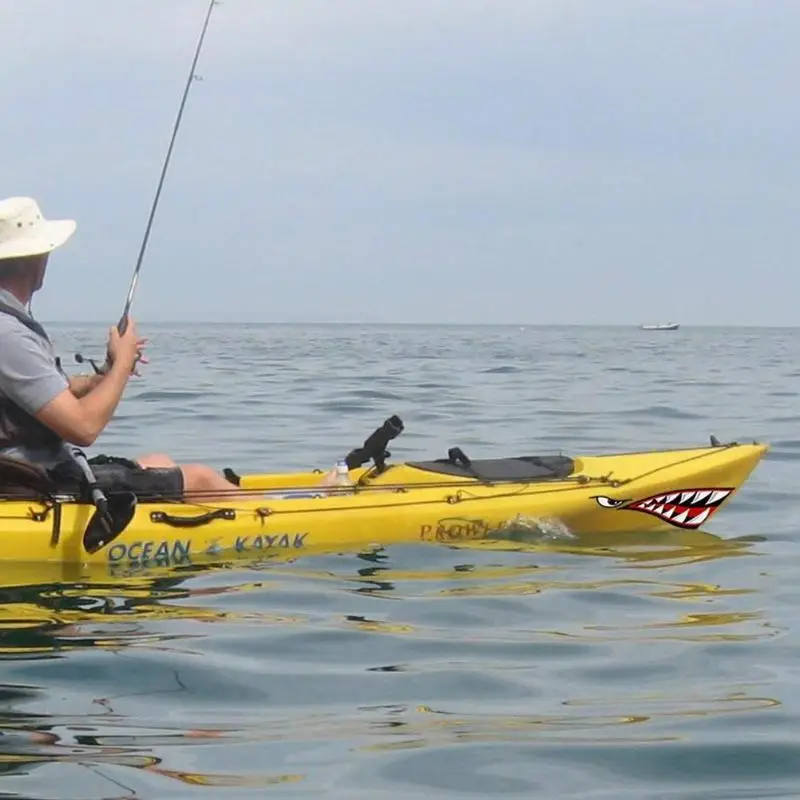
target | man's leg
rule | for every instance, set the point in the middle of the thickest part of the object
(200, 482)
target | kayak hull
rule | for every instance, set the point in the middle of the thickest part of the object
(409, 502)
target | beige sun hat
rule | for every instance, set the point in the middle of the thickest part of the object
(25, 232)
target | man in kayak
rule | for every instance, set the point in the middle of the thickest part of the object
(41, 408)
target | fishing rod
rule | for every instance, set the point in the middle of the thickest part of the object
(123, 321)
(102, 528)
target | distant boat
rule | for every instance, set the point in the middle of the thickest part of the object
(664, 326)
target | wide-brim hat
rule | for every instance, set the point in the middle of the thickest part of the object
(25, 232)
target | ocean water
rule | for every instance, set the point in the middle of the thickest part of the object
(663, 670)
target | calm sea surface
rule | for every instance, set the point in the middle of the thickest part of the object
(657, 671)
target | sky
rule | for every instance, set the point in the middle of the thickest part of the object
(459, 161)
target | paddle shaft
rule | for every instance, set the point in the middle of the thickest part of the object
(96, 493)
(123, 320)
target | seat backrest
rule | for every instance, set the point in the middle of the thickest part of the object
(23, 479)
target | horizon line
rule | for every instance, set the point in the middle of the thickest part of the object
(310, 322)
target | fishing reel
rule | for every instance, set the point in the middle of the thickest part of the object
(101, 370)
(79, 359)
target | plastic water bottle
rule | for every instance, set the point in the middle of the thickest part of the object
(341, 476)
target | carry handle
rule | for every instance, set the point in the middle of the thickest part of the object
(192, 522)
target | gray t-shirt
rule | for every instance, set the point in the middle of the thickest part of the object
(28, 375)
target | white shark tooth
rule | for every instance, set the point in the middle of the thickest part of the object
(681, 518)
(701, 518)
(669, 511)
(720, 494)
(671, 498)
(659, 510)
(685, 496)
(700, 496)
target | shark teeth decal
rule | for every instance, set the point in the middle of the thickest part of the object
(686, 508)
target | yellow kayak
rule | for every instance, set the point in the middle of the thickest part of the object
(452, 499)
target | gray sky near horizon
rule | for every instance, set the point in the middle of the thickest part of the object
(527, 161)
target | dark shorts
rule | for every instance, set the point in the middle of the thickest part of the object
(116, 474)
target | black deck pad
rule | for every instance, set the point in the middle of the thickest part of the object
(522, 468)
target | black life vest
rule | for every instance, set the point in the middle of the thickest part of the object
(18, 428)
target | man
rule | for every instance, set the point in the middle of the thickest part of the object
(41, 408)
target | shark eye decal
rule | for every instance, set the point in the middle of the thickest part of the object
(608, 502)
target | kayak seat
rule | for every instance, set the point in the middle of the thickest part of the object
(23, 480)
(522, 468)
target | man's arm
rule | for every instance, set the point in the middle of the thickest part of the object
(81, 385)
(81, 420)
(29, 377)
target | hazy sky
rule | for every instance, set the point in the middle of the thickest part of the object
(531, 161)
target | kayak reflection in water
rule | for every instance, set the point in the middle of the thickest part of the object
(41, 408)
